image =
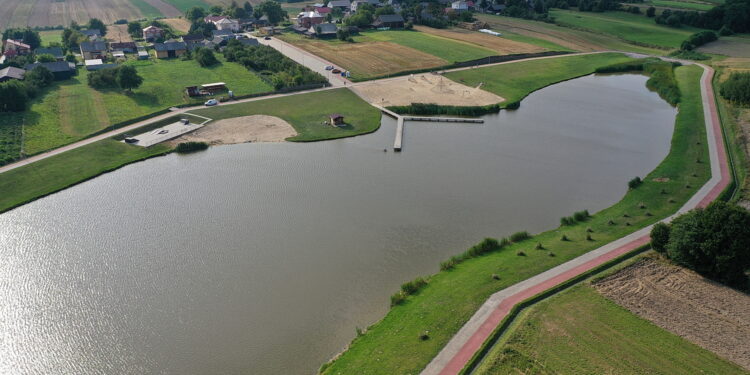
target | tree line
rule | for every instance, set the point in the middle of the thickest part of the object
(283, 71)
(15, 95)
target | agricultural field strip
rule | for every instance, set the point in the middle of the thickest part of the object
(461, 348)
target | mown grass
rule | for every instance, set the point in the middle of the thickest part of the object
(184, 5)
(393, 345)
(49, 175)
(580, 331)
(49, 36)
(308, 112)
(631, 27)
(444, 48)
(70, 110)
(514, 81)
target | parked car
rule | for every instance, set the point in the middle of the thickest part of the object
(131, 140)
(211, 102)
(329, 67)
(267, 38)
(335, 71)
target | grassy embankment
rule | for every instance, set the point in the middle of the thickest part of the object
(70, 110)
(304, 111)
(633, 28)
(307, 112)
(393, 345)
(579, 331)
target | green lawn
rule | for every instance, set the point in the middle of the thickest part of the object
(392, 346)
(446, 49)
(580, 331)
(70, 110)
(516, 80)
(147, 10)
(631, 27)
(49, 36)
(184, 5)
(306, 113)
(47, 176)
(679, 4)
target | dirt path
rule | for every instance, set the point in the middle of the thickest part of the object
(257, 128)
(713, 316)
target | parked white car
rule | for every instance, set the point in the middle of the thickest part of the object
(329, 67)
(211, 102)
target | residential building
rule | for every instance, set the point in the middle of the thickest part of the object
(153, 33)
(93, 34)
(126, 47)
(227, 24)
(62, 70)
(307, 19)
(459, 6)
(12, 48)
(393, 21)
(357, 3)
(323, 30)
(344, 5)
(11, 72)
(93, 50)
(167, 50)
(56, 52)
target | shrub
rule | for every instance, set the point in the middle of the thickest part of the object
(659, 237)
(564, 238)
(435, 109)
(424, 336)
(397, 299)
(513, 105)
(487, 245)
(567, 220)
(521, 254)
(581, 215)
(737, 88)
(725, 31)
(186, 147)
(412, 287)
(519, 236)
(539, 246)
(634, 183)
(698, 39)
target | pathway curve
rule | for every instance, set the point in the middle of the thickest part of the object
(469, 339)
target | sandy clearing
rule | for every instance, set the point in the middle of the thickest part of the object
(424, 88)
(179, 24)
(498, 44)
(256, 128)
(706, 313)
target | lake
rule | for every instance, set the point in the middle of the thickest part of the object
(264, 258)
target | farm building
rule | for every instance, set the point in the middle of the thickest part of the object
(13, 48)
(93, 50)
(97, 64)
(393, 21)
(324, 30)
(56, 52)
(227, 24)
(62, 70)
(125, 47)
(142, 54)
(11, 73)
(153, 33)
(336, 119)
(214, 87)
(307, 19)
(344, 5)
(172, 49)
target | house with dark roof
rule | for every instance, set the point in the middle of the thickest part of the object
(56, 52)
(93, 50)
(62, 70)
(344, 5)
(91, 33)
(226, 34)
(393, 21)
(172, 49)
(11, 72)
(126, 47)
(192, 38)
(324, 30)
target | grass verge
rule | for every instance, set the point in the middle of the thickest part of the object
(393, 345)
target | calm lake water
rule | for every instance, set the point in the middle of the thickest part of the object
(263, 258)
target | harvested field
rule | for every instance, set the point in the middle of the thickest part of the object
(178, 24)
(118, 33)
(729, 46)
(6, 12)
(708, 314)
(16, 13)
(368, 59)
(256, 128)
(424, 88)
(501, 45)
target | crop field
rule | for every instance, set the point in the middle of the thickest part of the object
(70, 110)
(446, 49)
(581, 332)
(732, 46)
(367, 60)
(673, 4)
(631, 27)
(573, 39)
(500, 45)
(184, 5)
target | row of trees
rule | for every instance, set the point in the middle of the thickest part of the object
(268, 8)
(15, 95)
(714, 242)
(124, 76)
(283, 71)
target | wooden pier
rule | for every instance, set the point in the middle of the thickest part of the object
(400, 123)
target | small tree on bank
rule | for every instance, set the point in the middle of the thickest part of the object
(128, 78)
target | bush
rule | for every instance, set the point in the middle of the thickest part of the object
(689, 55)
(567, 220)
(513, 105)
(634, 183)
(519, 236)
(412, 287)
(725, 31)
(186, 147)
(487, 245)
(397, 299)
(205, 57)
(659, 237)
(737, 88)
(714, 242)
(581, 215)
(651, 12)
(104, 78)
(435, 109)
(698, 39)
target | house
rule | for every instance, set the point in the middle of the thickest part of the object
(118, 54)
(324, 30)
(173, 49)
(92, 34)
(336, 120)
(56, 52)
(249, 41)
(344, 5)
(307, 19)
(11, 72)
(357, 3)
(227, 24)
(93, 50)
(125, 47)
(212, 19)
(393, 21)
(192, 38)
(459, 6)
(224, 34)
(62, 70)
(12, 48)
(153, 33)
(247, 24)
(323, 10)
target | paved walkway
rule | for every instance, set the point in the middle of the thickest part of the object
(469, 339)
(313, 62)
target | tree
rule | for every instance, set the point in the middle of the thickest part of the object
(736, 88)
(660, 237)
(97, 24)
(128, 78)
(71, 38)
(362, 18)
(384, 10)
(39, 76)
(13, 96)
(216, 9)
(714, 242)
(248, 7)
(134, 29)
(651, 12)
(27, 36)
(272, 10)
(205, 57)
(201, 27)
(45, 57)
(195, 13)
(71, 58)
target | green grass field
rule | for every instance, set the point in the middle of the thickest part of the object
(306, 113)
(50, 36)
(148, 10)
(184, 5)
(516, 80)
(47, 176)
(446, 49)
(580, 331)
(679, 4)
(631, 27)
(70, 109)
(392, 346)
(10, 137)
